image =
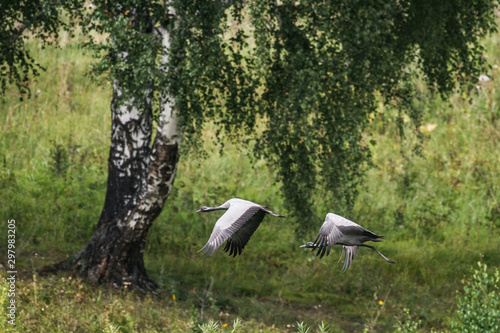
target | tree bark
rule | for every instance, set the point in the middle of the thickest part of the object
(139, 181)
(129, 152)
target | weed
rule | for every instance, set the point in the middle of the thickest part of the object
(304, 328)
(379, 309)
(408, 325)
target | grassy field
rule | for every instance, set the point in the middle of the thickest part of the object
(440, 214)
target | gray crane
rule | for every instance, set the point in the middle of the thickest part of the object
(339, 230)
(236, 225)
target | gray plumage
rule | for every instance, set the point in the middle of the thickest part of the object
(235, 226)
(339, 230)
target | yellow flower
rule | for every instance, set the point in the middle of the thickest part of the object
(173, 297)
(381, 302)
(225, 325)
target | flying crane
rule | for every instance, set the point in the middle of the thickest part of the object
(236, 225)
(339, 230)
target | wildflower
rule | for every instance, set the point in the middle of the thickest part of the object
(173, 297)
(225, 325)
(381, 302)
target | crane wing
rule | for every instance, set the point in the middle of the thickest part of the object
(328, 235)
(230, 224)
(250, 221)
(217, 237)
(334, 228)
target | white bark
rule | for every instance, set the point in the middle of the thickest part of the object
(138, 133)
(163, 165)
(169, 119)
(138, 124)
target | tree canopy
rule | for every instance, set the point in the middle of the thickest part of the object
(300, 79)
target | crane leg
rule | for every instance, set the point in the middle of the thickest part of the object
(374, 249)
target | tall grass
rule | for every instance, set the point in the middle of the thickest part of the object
(53, 152)
(440, 214)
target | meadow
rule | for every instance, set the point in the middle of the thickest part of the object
(439, 211)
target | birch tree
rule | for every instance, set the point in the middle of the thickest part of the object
(299, 79)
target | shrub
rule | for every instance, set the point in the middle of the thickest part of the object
(479, 304)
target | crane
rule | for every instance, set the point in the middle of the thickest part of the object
(339, 230)
(236, 225)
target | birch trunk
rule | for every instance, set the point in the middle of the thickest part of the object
(139, 182)
(129, 153)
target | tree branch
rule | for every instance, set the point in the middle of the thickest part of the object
(26, 25)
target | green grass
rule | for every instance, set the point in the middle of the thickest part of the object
(439, 213)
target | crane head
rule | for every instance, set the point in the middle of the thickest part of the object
(203, 209)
